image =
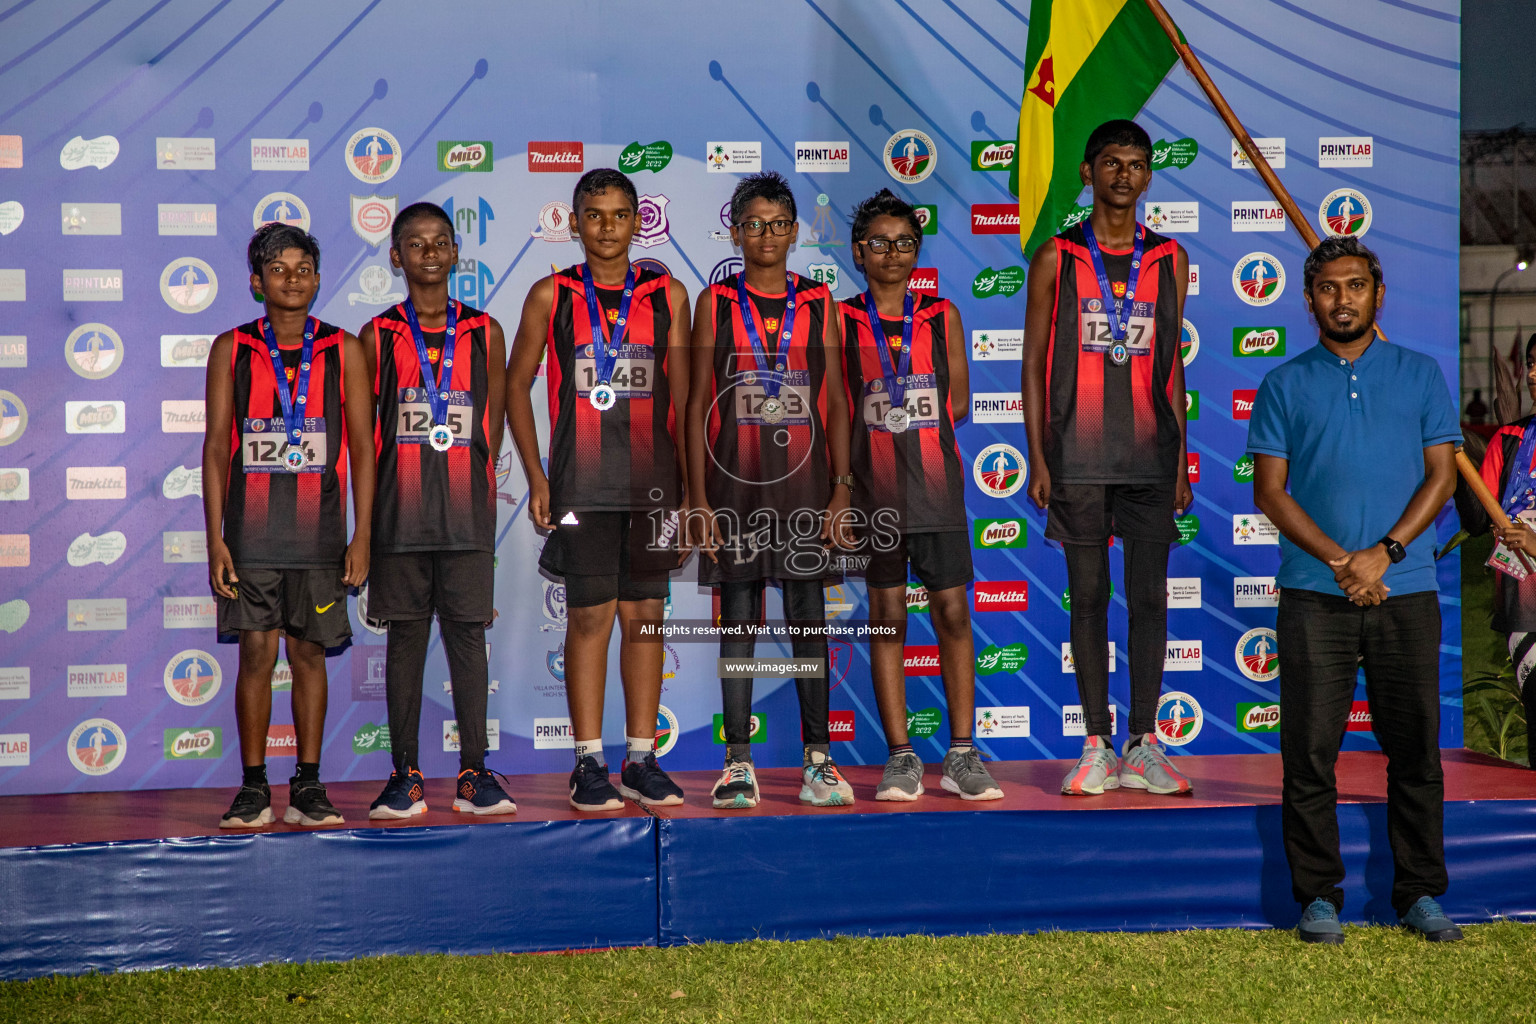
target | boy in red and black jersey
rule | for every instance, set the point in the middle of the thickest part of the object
(618, 381)
(1103, 390)
(288, 408)
(438, 373)
(768, 467)
(904, 363)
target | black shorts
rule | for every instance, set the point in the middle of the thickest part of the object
(607, 556)
(1090, 513)
(453, 585)
(939, 560)
(306, 604)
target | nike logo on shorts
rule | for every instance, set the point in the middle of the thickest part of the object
(321, 611)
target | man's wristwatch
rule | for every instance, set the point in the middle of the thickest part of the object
(846, 481)
(1395, 551)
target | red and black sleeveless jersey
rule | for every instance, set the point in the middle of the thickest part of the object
(274, 518)
(624, 458)
(429, 500)
(782, 467)
(1109, 413)
(915, 473)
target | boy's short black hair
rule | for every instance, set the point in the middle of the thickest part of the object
(412, 212)
(769, 185)
(1117, 133)
(885, 203)
(1336, 247)
(599, 180)
(270, 240)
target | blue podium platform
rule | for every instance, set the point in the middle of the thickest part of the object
(85, 884)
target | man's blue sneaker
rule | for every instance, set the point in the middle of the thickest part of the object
(1320, 923)
(1426, 918)
(590, 788)
(403, 797)
(480, 793)
(644, 782)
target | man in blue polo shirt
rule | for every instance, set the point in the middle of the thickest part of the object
(1363, 433)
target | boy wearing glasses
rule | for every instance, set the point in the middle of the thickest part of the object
(618, 378)
(1103, 390)
(906, 369)
(768, 469)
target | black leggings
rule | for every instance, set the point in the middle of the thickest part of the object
(804, 602)
(406, 660)
(1146, 595)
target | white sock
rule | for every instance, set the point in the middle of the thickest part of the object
(637, 747)
(592, 747)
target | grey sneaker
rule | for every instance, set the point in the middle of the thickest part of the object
(963, 774)
(1320, 923)
(822, 784)
(1095, 770)
(1146, 766)
(903, 778)
(737, 786)
(1426, 918)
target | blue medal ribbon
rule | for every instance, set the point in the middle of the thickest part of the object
(437, 393)
(1119, 316)
(895, 377)
(1519, 491)
(293, 422)
(771, 381)
(605, 353)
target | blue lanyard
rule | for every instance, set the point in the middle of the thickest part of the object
(771, 381)
(1119, 316)
(604, 353)
(293, 423)
(437, 394)
(1519, 494)
(895, 378)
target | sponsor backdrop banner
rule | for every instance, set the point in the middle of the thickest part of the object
(132, 178)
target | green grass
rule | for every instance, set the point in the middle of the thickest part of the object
(1493, 718)
(1380, 974)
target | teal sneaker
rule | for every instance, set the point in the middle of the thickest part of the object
(736, 788)
(1320, 923)
(1426, 918)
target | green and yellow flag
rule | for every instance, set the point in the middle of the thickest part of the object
(1088, 61)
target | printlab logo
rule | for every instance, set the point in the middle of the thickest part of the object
(1184, 656)
(1255, 592)
(1258, 655)
(1179, 718)
(279, 154)
(94, 351)
(281, 208)
(192, 678)
(15, 747)
(996, 407)
(1344, 212)
(910, 156)
(97, 746)
(1345, 150)
(188, 219)
(1257, 215)
(813, 157)
(93, 285)
(188, 285)
(1073, 722)
(188, 613)
(373, 155)
(999, 470)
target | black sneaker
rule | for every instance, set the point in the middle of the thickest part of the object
(404, 795)
(252, 808)
(480, 793)
(645, 783)
(308, 804)
(590, 788)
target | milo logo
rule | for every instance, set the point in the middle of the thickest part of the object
(96, 415)
(1258, 717)
(465, 155)
(1242, 472)
(992, 156)
(1000, 533)
(190, 744)
(10, 481)
(190, 350)
(917, 597)
(1258, 341)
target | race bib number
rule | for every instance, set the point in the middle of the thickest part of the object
(1094, 334)
(263, 443)
(921, 402)
(795, 393)
(413, 422)
(634, 371)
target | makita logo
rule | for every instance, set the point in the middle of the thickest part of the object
(1242, 404)
(184, 417)
(1001, 533)
(994, 219)
(282, 741)
(96, 416)
(1262, 716)
(921, 661)
(1360, 717)
(556, 156)
(840, 725)
(1009, 596)
(96, 482)
(924, 281)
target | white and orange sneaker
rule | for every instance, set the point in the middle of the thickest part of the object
(1146, 766)
(1095, 770)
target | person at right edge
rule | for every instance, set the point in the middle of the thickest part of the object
(1362, 433)
(1103, 389)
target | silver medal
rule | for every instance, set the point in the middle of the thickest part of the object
(897, 420)
(294, 458)
(602, 398)
(772, 410)
(440, 438)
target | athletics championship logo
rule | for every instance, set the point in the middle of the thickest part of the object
(373, 155)
(1179, 718)
(1258, 655)
(1344, 212)
(910, 156)
(999, 470)
(192, 678)
(1258, 279)
(97, 746)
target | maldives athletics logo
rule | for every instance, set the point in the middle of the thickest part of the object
(373, 155)
(1344, 212)
(1258, 279)
(97, 746)
(1258, 655)
(999, 470)
(666, 730)
(192, 678)
(1179, 718)
(910, 156)
(1189, 342)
